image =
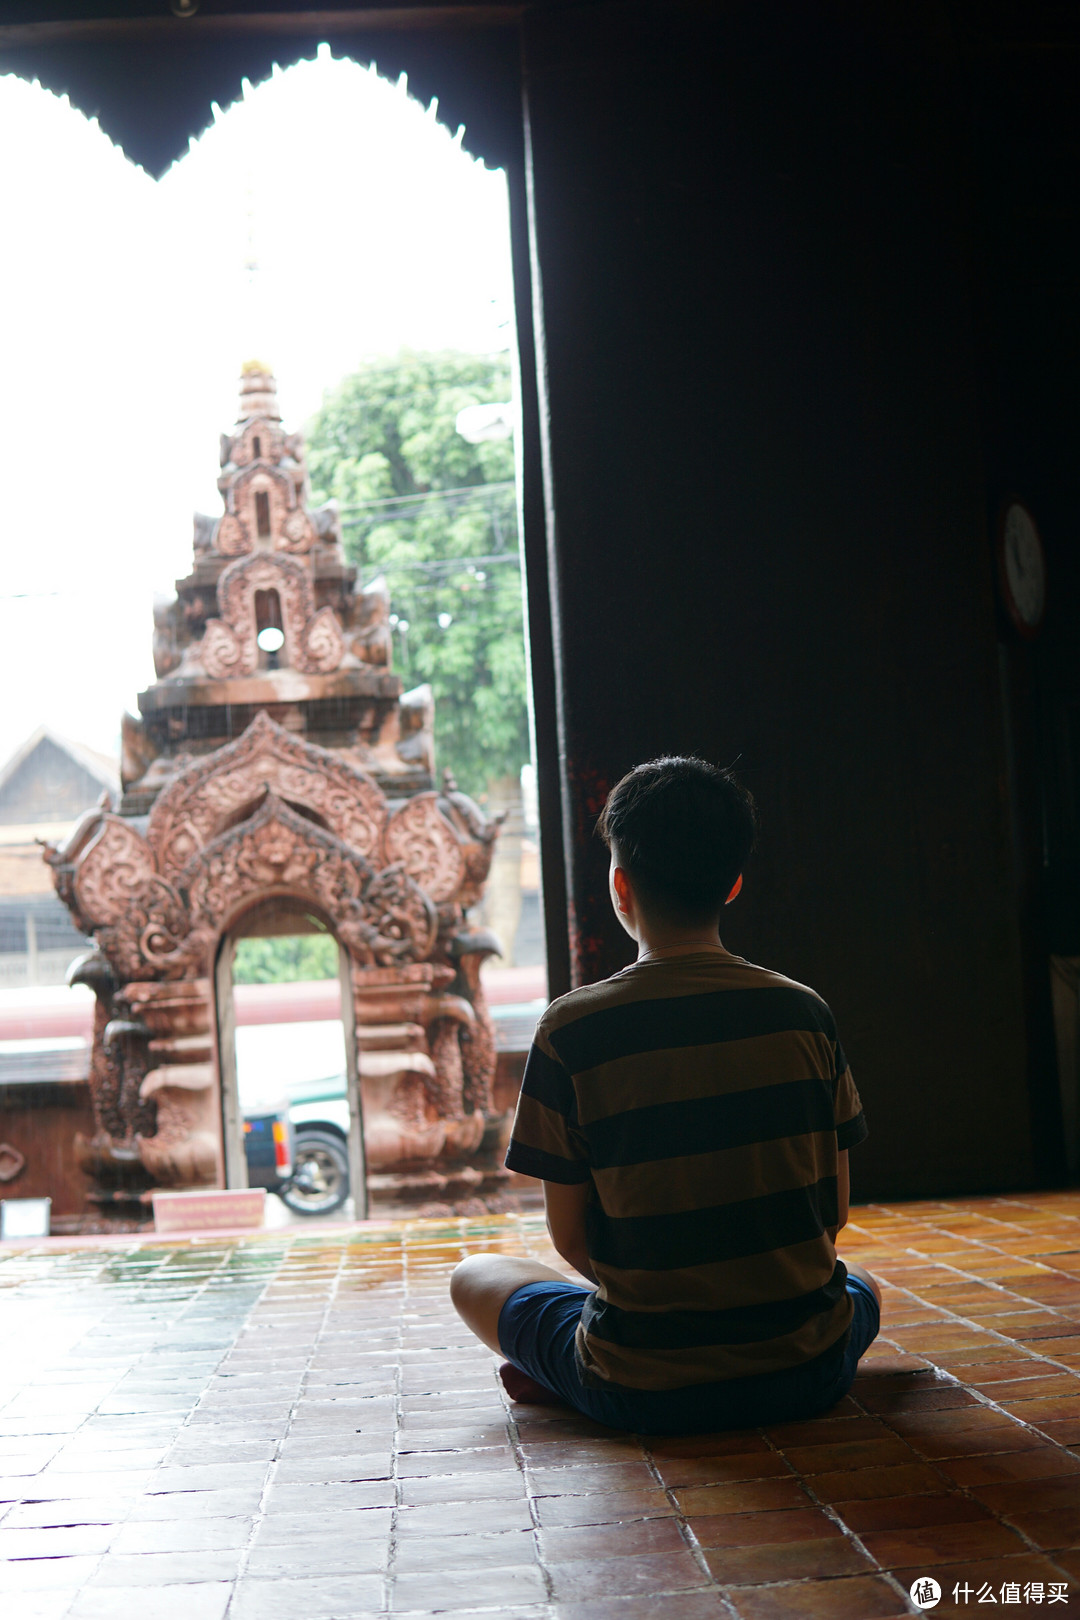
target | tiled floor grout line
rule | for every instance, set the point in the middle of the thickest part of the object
(975, 1322)
(963, 1243)
(954, 1486)
(532, 1500)
(147, 1350)
(514, 1435)
(259, 1514)
(697, 1552)
(972, 1277)
(86, 1419)
(390, 1574)
(851, 1535)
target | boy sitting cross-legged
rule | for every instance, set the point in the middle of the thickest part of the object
(690, 1119)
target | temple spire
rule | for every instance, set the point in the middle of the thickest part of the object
(258, 392)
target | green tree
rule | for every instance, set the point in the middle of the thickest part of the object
(285, 958)
(437, 516)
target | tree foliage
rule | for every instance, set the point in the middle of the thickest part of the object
(386, 447)
(285, 958)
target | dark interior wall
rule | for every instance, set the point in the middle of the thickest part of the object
(1027, 169)
(751, 237)
(1023, 113)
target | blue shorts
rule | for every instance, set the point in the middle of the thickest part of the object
(536, 1332)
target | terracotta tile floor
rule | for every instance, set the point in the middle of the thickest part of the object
(297, 1426)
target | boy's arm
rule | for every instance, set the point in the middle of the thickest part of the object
(564, 1205)
(843, 1192)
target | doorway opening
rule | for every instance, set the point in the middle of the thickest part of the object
(399, 366)
(291, 1115)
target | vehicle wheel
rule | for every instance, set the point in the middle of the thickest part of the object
(320, 1180)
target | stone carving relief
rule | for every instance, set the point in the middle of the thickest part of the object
(382, 917)
(279, 493)
(11, 1161)
(233, 537)
(203, 837)
(261, 460)
(178, 1082)
(150, 927)
(116, 887)
(297, 532)
(420, 836)
(198, 635)
(212, 791)
(477, 836)
(314, 643)
(270, 815)
(478, 1055)
(241, 449)
(369, 636)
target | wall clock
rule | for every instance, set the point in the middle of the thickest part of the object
(1021, 568)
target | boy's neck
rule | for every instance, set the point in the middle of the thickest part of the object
(660, 940)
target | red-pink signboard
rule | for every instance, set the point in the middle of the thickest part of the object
(211, 1211)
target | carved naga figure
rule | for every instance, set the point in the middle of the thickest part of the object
(302, 774)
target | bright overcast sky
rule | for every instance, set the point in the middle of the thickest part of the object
(130, 306)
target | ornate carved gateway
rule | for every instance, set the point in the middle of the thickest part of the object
(281, 769)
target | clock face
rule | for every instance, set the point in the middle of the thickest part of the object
(1023, 568)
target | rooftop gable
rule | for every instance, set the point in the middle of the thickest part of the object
(52, 779)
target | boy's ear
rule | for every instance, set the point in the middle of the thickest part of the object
(736, 890)
(621, 886)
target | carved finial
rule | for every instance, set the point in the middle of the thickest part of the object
(449, 780)
(258, 392)
(105, 801)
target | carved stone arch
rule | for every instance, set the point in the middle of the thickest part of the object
(314, 643)
(277, 911)
(204, 799)
(382, 918)
(258, 470)
(248, 908)
(160, 919)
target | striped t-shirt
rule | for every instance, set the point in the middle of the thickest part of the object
(705, 1100)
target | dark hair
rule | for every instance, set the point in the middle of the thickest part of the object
(682, 829)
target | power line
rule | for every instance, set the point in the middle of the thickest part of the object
(425, 495)
(448, 503)
(451, 565)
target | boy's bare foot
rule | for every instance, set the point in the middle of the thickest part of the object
(520, 1387)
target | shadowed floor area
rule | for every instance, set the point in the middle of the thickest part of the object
(298, 1426)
